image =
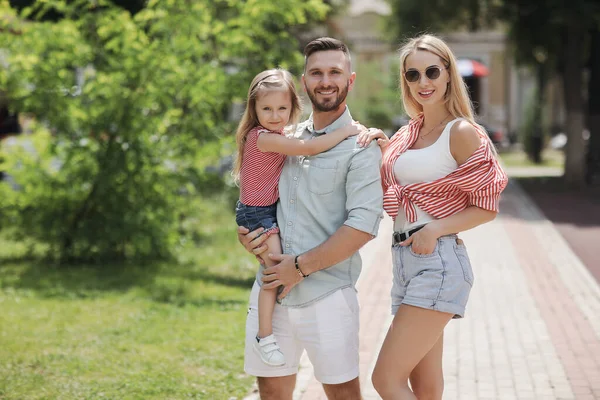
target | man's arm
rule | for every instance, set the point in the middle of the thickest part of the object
(338, 247)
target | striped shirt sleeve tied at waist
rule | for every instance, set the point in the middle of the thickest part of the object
(477, 182)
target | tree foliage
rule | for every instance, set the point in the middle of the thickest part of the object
(561, 44)
(123, 106)
(411, 17)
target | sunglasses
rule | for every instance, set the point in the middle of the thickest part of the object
(433, 72)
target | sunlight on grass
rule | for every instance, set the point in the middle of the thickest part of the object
(550, 158)
(162, 331)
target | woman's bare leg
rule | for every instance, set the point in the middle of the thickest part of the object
(427, 379)
(413, 334)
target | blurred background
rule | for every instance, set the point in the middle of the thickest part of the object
(117, 233)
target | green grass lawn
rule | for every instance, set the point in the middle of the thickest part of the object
(163, 331)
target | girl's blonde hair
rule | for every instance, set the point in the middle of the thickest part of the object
(272, 79)
(456, 97)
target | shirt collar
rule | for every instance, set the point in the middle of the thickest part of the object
(342, 121)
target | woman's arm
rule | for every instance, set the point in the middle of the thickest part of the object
(423, 242)
(365, 137)
(271, 142)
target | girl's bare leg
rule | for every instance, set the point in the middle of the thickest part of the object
(414, 333)
(267, 298)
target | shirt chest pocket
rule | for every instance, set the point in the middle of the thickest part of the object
(322, 176)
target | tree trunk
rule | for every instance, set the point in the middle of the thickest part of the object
(593, 156)
(537, 136)
(573, 87)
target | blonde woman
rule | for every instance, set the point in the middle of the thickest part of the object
(440, 177)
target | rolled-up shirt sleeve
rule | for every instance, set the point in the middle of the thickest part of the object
(364, 201)
(488, 198)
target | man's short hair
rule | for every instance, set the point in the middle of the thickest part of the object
(325, 44)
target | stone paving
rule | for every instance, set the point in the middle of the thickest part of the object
(532, 327)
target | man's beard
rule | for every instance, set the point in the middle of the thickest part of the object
(329, 105)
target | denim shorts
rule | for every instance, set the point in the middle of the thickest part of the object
(254, 217)
(438, 281)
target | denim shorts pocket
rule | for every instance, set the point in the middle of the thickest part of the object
(432, 254)
(322, 176)
(465, 263)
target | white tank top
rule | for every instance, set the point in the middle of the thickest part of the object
(424, 165)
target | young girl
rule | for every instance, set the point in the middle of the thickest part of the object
(440, 177)
(272, 104)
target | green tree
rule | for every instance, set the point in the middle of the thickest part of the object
(123, 107)
(593, 154)
(411, 17)
(382, 102)
(537, 48)
(562, 44)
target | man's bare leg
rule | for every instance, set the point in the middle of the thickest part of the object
(277, 388)
(343, 391)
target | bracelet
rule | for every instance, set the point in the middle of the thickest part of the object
(298, 270)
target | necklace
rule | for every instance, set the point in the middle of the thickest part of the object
(431, 130)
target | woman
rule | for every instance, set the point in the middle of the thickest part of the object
(440, 177)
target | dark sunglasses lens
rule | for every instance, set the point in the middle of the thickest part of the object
(412, 75)
(432, 73)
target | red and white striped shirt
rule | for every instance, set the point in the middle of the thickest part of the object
(477, 182)
(260, 171)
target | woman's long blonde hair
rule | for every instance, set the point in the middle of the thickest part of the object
(457, 97)
(272, 79)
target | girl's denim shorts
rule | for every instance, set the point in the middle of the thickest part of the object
(438, 281)
(254, 217)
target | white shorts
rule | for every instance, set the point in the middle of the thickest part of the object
(327, 329)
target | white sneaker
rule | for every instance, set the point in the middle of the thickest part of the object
(268, 351)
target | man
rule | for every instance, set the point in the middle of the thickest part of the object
(330, 205)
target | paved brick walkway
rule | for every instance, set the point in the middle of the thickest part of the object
(532, 329)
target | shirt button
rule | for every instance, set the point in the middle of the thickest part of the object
(290, 223)
(295, 178)
(287, 245)
(292, 201)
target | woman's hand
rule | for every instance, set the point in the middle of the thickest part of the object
(423, 242)
(365, 137)
(252, 241)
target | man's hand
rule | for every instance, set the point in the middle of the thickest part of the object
(252, 242)
(423, 242)
(283, 274)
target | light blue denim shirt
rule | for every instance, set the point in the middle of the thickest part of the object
(319, 194)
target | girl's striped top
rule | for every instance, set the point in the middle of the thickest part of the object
(260, 171)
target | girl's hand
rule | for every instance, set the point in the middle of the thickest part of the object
(365, 137)
(354, 129)
(423, 242)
